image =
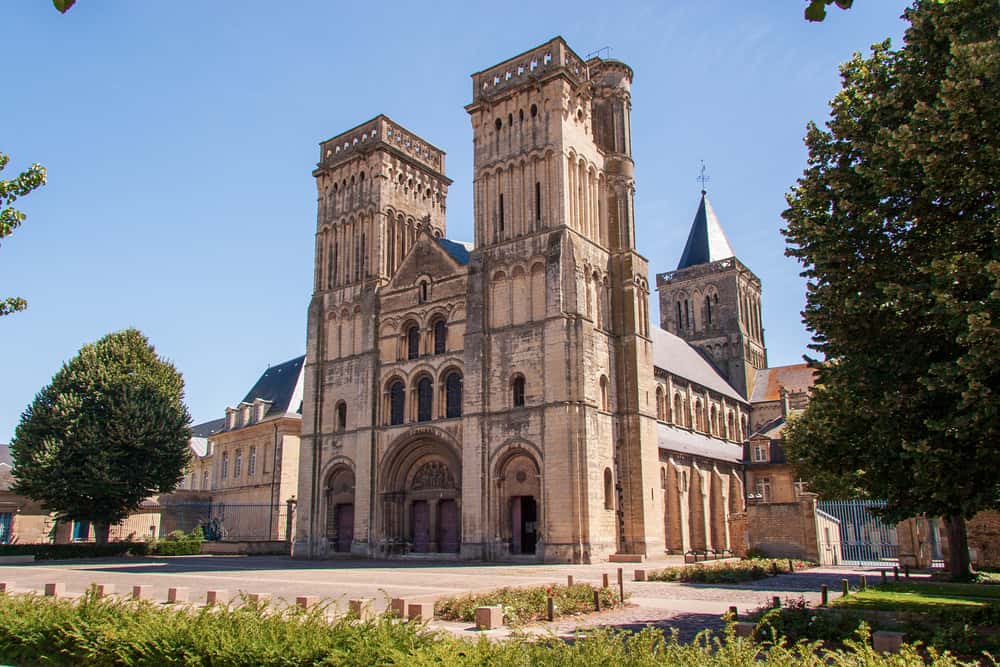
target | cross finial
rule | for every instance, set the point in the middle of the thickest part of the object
(702, 177)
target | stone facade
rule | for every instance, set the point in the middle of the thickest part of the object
(499, 401)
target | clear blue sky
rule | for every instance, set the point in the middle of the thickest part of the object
(179, 139)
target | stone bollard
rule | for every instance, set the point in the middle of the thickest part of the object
(141, 592)
(550, 608)
(884, 641)
(845, 587)
(306, 601)
(361, 608)
(55, 590)
(489, 618)
(422, 612)
(6, 587)
(597, 600)
(605, 580)
(640, 575)
(398, 607)
(104, 590)
(864, 583)
(776, 602)
(744, 628)
(215, 597)
(569, 580)
(621, 587)
(178, 594)
(824, 595)
(259, 598)
(895, 573)
(734, 612)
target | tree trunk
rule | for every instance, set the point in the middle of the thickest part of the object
(101, 531)
(958, 548)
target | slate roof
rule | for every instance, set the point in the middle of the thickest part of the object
(282, 386)
(771, 429)
(767, 382)
(457, 250)
(707, 241)
(5, 459)
(684, 441)
(674, 355)
(208, 428)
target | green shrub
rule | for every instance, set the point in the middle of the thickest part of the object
(523, 605)
(727, 572)
(179, 543)
(75, 550)
(92, 631)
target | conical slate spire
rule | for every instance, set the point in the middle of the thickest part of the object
(707, 242)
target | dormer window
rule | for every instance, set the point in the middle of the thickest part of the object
(759, 452)
(246, 415)
(260, 407)
(230, 419)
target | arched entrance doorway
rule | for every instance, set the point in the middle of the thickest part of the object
(519, 496)
(421, 497)
(340, 509)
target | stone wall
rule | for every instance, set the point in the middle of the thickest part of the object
(783, 529)
(984, 539)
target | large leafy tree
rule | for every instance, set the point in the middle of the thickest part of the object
(11, 218)
(896, 222)
(109, 431)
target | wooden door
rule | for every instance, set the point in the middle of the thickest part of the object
(420, 521)
(345, 526)
(448, 526)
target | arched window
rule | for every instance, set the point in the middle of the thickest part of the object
(661, 410)
(440, 337)
(341, 416)
(708, 310)
(397, 402)
(604, 393)
(517, 391)
(731, 431)
(425, 395)
(413, 342)
(424, 289)
(699, 416)
(680, 322)
(453, 395)
(678, 410)
(609, 490)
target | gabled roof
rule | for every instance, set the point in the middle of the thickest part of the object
(771, 429)
(767, 382)
(457, 250)
(707, 241)
(280, 385)
(673, 354)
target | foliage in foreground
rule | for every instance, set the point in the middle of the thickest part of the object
(523, 605)
(895, 222)
(11, 218)
(110, 430)
(75, 550)
(106, 632)
(728, 572)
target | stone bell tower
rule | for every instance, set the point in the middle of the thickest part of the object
(713, 301)
(557, 343)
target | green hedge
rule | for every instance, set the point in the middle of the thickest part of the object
(92, 631)
(75, 550)
(179, 543)
(523, 605)
(728, 572)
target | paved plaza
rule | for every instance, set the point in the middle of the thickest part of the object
(687, 607)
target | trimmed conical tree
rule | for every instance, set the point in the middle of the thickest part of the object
(110, 430)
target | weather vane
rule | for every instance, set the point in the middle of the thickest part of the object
(702, 177)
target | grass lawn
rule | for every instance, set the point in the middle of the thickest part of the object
(922, 597)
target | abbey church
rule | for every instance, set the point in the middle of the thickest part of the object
(509, 399)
